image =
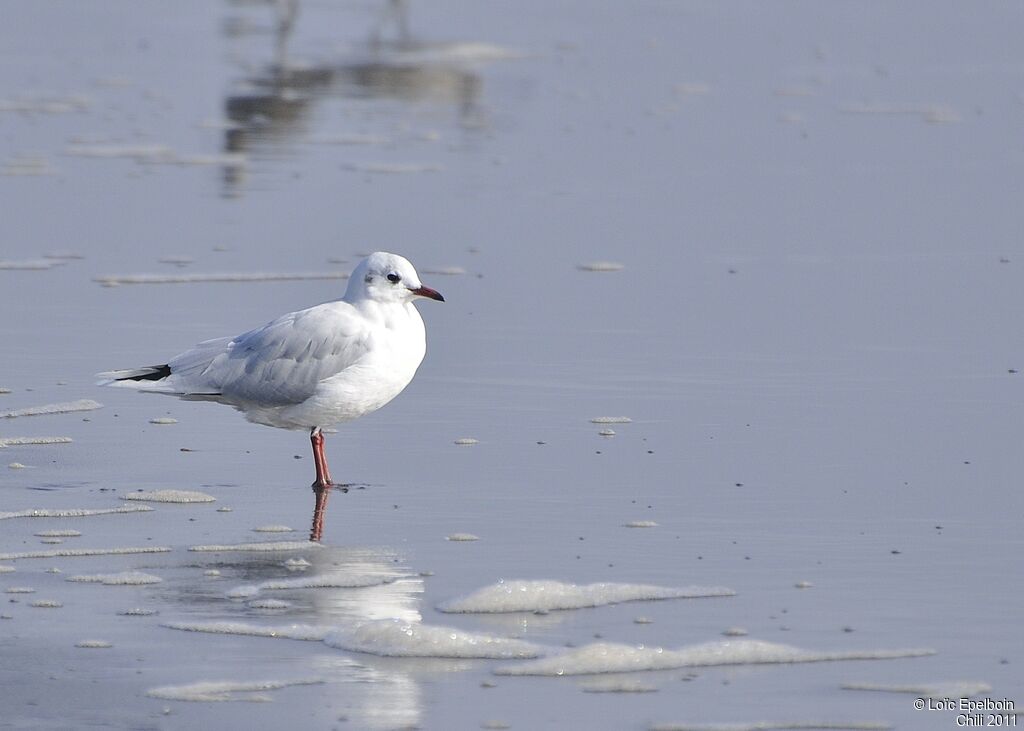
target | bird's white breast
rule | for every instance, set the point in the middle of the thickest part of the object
(396, 347)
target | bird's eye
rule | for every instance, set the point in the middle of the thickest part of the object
(394, 278)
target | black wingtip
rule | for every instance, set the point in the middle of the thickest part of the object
(156, 373)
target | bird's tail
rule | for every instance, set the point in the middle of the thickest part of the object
(144, 377)
(183, 375)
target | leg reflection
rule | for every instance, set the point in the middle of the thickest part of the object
(322, 492)
(319, 509)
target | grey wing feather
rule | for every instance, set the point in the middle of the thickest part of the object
(282, 362)
(189, 367)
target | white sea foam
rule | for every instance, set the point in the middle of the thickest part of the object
(607, 657)
(46, 604)
(59, 533)
(399, 638)
(163, 420)
(462, 537)
(392, 168)
(169, 496)
(113, 280)
(28, 264)
(94, 644)
(537, 595)
(466, 441)
(692, 88)
(948, 689)
(124, 578)
(348, 139)
(228, 159)
(617, 685)
(75, 552)
(444, 271)
(74, 512)
(268, 604)
(25, 441)
(225, 690)
(61, 408)
(640, 524)
(269, 546)
(776, 726)
(600, 266)
(134, 152)
(63, 255)
(19, 590)
(326, 581)
(935, 113)
(27, 166)
(273, 529)
(460, 51)
(46, 104)
(304, 632)
(138, 612)
(7, 569)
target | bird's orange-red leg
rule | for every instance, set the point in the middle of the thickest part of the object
(322, 486)
(323, 474)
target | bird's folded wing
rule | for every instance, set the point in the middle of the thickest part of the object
(282, 362)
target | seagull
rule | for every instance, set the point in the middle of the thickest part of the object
(310, 369)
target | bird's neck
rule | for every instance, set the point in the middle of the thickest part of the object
(389, 314)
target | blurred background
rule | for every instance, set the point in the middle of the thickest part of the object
(783, 238)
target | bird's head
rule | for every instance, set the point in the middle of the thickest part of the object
(386, 278)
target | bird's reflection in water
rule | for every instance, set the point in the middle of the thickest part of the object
(386, 698)
(326, 585)
(276, 105)
(397, 596)
(389, 693)
(316, 530)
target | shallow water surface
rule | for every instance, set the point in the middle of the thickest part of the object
(719, 423)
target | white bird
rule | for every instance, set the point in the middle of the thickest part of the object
(309, 369)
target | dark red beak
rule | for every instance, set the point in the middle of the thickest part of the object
(428, 292)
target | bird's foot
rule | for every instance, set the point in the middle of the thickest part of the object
(320, 487)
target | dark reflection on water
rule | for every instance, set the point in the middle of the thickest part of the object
(392, 65)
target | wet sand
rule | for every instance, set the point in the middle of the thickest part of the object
(718, 425)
